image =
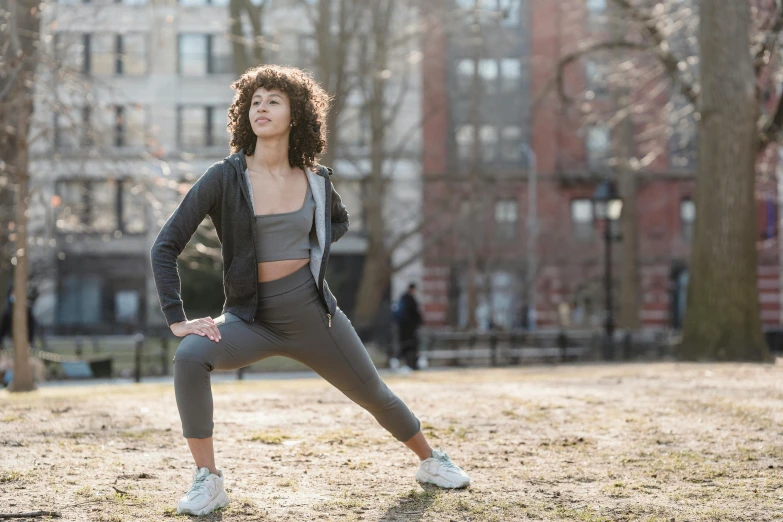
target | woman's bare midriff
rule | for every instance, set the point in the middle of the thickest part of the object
(271, 270)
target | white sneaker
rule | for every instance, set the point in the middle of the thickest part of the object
(205, 495)
(404, 369)
(441, 471)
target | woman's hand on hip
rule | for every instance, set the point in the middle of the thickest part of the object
(204, 327)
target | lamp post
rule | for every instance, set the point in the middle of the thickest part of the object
(608, 206)
(532, 234)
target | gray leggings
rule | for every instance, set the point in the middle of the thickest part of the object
(290, 321)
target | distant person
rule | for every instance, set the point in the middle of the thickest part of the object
(408, 321)
(276, 214)
(7, 323)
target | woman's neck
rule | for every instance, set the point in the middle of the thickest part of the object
(270, 156)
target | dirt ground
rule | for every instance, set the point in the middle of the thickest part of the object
(651, 442)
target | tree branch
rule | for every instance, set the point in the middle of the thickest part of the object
(576, 55)
(763, 54)
(669, 60)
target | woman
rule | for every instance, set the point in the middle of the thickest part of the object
(276, 214)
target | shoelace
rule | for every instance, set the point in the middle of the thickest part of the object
(198, 483)
(445, 460)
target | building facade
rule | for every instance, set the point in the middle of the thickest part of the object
(572, 153)
(130, 110)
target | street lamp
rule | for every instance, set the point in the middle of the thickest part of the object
(607, 207)
(532, 234)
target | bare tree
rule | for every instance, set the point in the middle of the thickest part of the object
(247, 33)
(21, 55)
(661, 52)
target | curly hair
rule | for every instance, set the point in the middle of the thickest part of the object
(309, 108)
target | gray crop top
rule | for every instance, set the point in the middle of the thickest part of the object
(284, 235)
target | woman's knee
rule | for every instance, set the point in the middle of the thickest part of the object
(193, 348)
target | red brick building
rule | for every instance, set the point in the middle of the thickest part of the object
(516, 59)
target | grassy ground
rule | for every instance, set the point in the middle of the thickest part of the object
(648, 442)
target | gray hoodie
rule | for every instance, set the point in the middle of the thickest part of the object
(222, 194)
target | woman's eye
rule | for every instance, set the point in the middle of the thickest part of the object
(273, 102)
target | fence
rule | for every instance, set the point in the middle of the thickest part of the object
(517, 346)
(106, 356)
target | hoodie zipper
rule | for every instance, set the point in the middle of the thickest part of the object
(246, 191)
(327, 243)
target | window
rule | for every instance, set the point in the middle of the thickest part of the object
(509, 12)
(597, 144)
(510, 73)
(69, 49)
(582, 219)
(511, 144)
(72, 211)
(487, 147)
(100, 206)
(488, 71)
(221, 60)
(132, 208)
(202, 54)
(87, 206)
(596, 7)
(192, 127)
(103, 54)
(103, 215)
(193, 54)
(102, 57)
(505, 219)
(202, 127)
(70, 128)
(132, 54)
(80, 299)
(596, 75)
(488, 138)
(218, 120)
(687, 216)
(129, 125)
(100, 126)
(464, 138)
(465, 74)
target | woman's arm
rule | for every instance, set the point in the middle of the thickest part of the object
(339, 216)
(202, 199)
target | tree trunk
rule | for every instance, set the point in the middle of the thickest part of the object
(240, 49)
(26, 17)
(23, 377)
(375, 275)
(627, 185)
(723, 320)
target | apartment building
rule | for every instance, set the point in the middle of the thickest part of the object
(513, 48)
(131, 109)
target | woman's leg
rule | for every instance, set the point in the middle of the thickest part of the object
(241, 344)
(203, 453)
(338, 355)
(419, 445)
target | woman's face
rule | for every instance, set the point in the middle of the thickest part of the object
(270, 113)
